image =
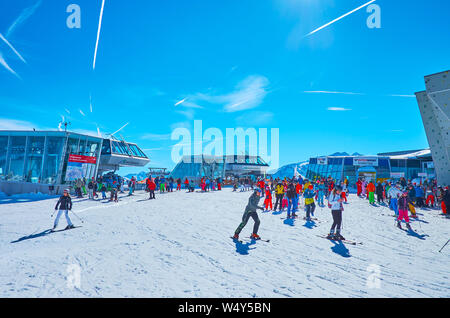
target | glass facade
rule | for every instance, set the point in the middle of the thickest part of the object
(344, 167)
(122, 148)
(37, 157)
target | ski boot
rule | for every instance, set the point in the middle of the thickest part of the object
(255, 236)
(236, 236)
(68, 227)
(294, 216)
(399, 225)
(53, 229)
(339, 237)
(330, 236)
(408, 227)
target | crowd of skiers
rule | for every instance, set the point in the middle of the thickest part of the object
(288, 194)
(401, 197)
(168, 185)
(404, 196)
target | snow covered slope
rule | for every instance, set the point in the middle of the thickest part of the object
(179, 246)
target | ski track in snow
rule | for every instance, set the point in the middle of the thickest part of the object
(178, 246)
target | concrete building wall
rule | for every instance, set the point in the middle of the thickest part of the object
(434, 105)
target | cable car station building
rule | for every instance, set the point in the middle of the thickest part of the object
(31, 161)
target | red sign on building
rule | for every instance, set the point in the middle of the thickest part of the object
(82, 159)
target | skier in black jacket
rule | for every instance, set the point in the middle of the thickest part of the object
(250, 211)
(65, 204)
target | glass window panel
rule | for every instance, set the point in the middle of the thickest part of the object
(3, 152)
(72, 146)
(53, 159)
(17, 159)
(34, 159)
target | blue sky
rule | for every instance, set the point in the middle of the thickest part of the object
(234, 63)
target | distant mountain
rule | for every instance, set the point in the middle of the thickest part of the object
(287, 171)
(139, 177)
(343, 154)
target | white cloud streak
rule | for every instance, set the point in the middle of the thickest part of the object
(331, 92)
(12, 48)
(341, 17)
(120, 129)
(98, 34)
(25, 15)
(7, 67)
(338, 109)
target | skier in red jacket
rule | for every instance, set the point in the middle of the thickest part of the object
(151, 186)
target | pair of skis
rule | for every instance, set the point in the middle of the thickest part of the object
(252, 239)
(344, 241)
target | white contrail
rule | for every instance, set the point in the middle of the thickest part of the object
(26, 13)
(12, 47)
(341, 17)
(5, 65)
(120, 129)
(81, 112)
(67, 111)
(90, 102)
(331, 92)
(180, 102)
(98, 33)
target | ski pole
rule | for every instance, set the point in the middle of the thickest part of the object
(444, 246)
(77, 216)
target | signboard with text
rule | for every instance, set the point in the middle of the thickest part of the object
(365, 162)
(322, 161)
(79, 167)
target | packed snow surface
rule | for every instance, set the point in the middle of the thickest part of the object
(179, 246)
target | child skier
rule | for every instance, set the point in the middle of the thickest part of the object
(403, 203)
(65, 205)
(309, 202)
(250, 212)
(268, 200)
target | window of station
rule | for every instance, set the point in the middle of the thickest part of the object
(17, 158)
(3, 152)
(106, 148)
(35, 156)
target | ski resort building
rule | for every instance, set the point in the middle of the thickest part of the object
(393, 165)
(32, 161)
(434, 105)
(198, 166)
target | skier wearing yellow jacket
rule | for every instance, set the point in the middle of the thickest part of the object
(279, 193)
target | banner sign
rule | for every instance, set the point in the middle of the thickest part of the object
(83, 159)
(421, 174)
(322, 161)
(79, 167)
(397, 175)
(365, 162)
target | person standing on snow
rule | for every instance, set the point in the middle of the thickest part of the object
(379, 191)
(371, 189)
(65, 205)
(279, 192)
(309, 202)
(335, 204)
(291, 194)
(250, 212)
(268, 200)
(394, 193)
(403, 203)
